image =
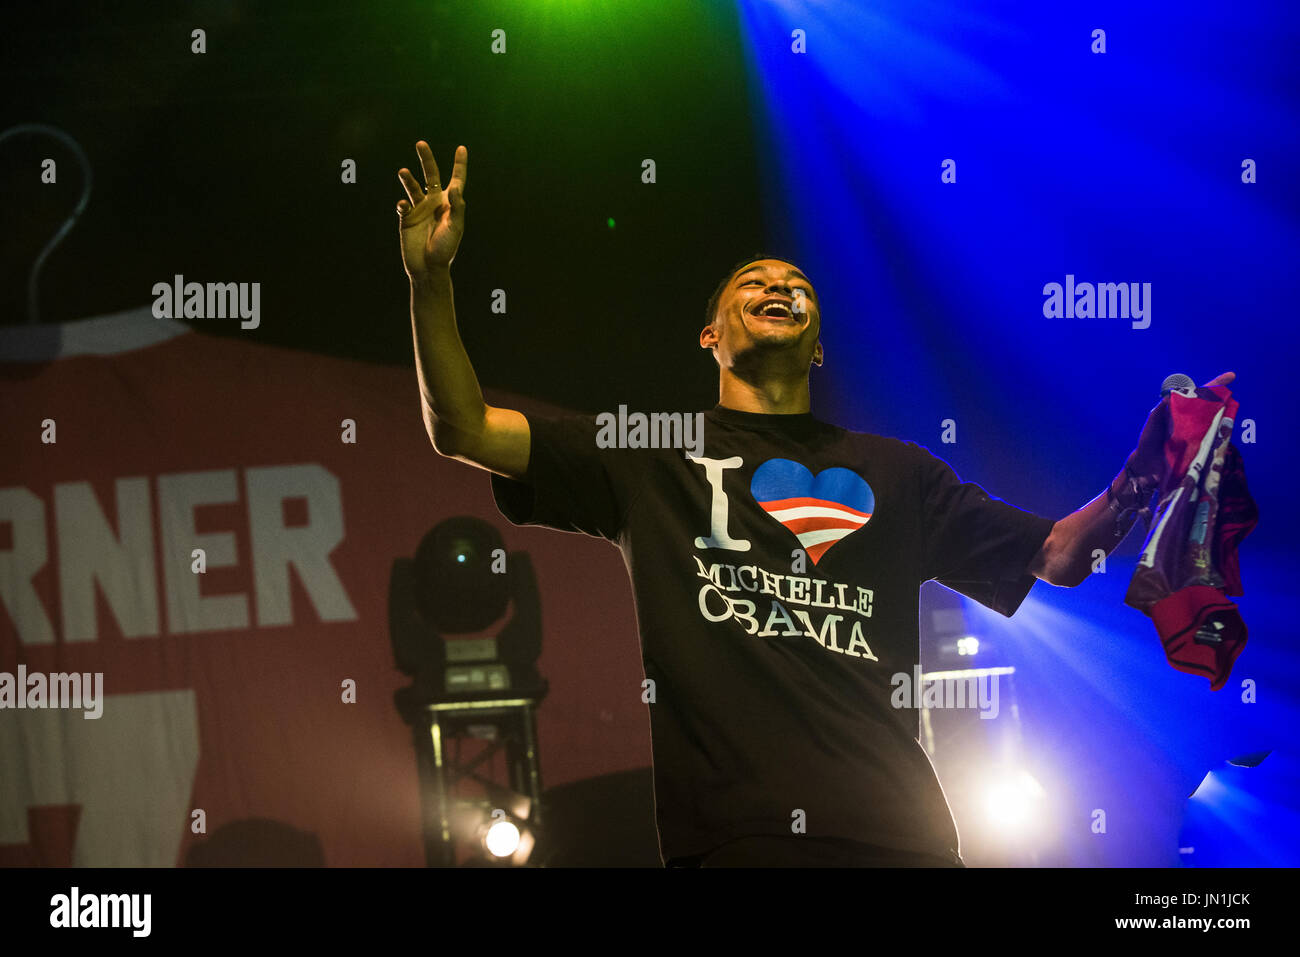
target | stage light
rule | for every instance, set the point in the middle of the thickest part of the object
(505, 838)
(443, 602)
(476, 685)
(1013, 801)
(503, 826)
(970, 645)
(502, 838)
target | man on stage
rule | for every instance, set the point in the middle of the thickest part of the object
(776, 566)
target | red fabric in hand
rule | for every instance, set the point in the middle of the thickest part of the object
(1189, 561)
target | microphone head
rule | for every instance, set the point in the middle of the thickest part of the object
(1177, 383)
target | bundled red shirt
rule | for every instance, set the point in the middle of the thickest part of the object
(1189, 563)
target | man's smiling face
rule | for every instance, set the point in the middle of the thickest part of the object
(767, 307)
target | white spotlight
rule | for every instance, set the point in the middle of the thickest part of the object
(1012, 802)
(502, 839)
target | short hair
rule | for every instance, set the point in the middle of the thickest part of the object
(712, 308)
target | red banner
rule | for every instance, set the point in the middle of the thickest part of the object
(135, 449)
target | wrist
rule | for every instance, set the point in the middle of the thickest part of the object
(1141, 478)
(1148, 467)
(437, 277)
(1128, 496)
(1118, 487)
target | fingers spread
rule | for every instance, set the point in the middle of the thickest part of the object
(460, 168)
(413, 190)
(429, 165)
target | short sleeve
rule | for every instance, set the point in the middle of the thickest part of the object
(571, 483)
(973, 543)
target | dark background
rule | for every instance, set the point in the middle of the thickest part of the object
(226, 167)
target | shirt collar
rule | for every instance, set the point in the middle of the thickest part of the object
(788, 422)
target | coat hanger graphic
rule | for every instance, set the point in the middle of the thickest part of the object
(33, 311)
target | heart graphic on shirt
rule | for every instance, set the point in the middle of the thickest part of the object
(818, 510)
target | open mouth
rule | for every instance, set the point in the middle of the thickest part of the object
(776, 310)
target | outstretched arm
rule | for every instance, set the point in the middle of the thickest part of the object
(1067, 555)
(460, 425)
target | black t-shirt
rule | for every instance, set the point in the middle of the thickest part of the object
(776, 578)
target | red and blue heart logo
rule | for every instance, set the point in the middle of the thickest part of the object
(819, 510)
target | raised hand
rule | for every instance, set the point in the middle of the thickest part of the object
(431, 221)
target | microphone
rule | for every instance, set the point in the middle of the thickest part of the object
(1177, 383)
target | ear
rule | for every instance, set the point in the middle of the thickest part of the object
(708, 337)
(818, 354)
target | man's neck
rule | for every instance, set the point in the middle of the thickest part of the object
(770, 397)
